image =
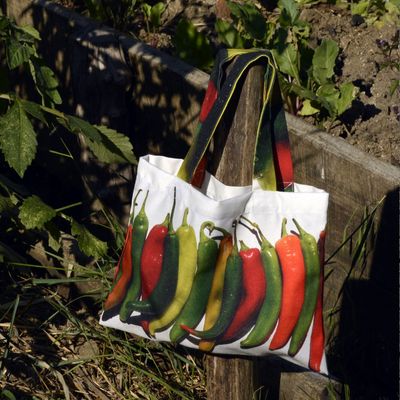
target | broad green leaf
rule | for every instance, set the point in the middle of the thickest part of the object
(79, 125)
(307, 109)
(18, 53)
(5, 203)
(34, 109)
(328, 95)
(253, 21)
(114, 147)
(228, 35)
(347, 95)
(87, 242)
(34, 213)
(30, 30)
(54, 235)
(192, 45)
(46, 82)
(289, 13)
(17, 138)
(6, 394)
(360, 8)
(156, 13)
(287, 61)
(324, 60)
(146, 9)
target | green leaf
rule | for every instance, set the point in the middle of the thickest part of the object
(228, 35)
(289, 13)
(34, 213)
(87, 242)
(307, 109)
(287, 61)
(45, 81)
(34, 109)
(328, 95)
(156, 13)
(18, 53)
(360, 8)
(254, 23)
(17, 138)
(6, 394)
(347, 95)
(54, 235)
(79, 125)
(192, 45)
(324, 61)
(114, 147)
(30, 30)
(5, 203)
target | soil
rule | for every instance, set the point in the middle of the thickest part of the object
(373, 122)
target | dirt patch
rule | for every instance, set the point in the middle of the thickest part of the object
(373, 122)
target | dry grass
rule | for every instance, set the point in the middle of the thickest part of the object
(54, 348)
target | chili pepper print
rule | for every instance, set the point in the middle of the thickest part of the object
(152, 257)
(164, 291)
(317, 333)
(214, 301)
(139, 232)
(195, 306)
(311, 260)
(231, 297)
(186, 271)
(253, 293)
(117, 294)
(118, 269)
(151, 261)
(269, 312)
(290, 256)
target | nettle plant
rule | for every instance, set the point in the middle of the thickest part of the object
(21, 120)
(306, 74)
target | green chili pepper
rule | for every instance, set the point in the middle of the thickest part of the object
(195, 306)
(231, 297)
(270, 308)
(139, 232)
(186, 271)
(163, 293)
(309, 249)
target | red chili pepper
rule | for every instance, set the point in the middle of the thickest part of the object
(253, 293)
(291, 259)
(151, 261)
(318, 333)
(117, 294)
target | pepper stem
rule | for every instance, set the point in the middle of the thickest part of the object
(302, 232)
(235, 245)
(166, 220)
(284, 231)
(134, 204)
(185, 215)
(257, 231)
(142, 210)
(243, 246)
(171, 221)
(206, 225)
(222, 230)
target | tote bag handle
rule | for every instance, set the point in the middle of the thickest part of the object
(272, 165)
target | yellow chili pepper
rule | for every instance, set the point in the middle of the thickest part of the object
(186, 272)
(215, 298)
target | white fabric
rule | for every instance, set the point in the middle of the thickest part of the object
(222, 204)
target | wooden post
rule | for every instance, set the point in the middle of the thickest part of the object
(235, 378)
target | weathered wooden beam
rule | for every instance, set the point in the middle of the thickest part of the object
(232, 163)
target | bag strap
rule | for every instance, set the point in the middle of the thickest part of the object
(272, 162)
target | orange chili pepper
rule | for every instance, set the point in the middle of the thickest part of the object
(291, 260)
